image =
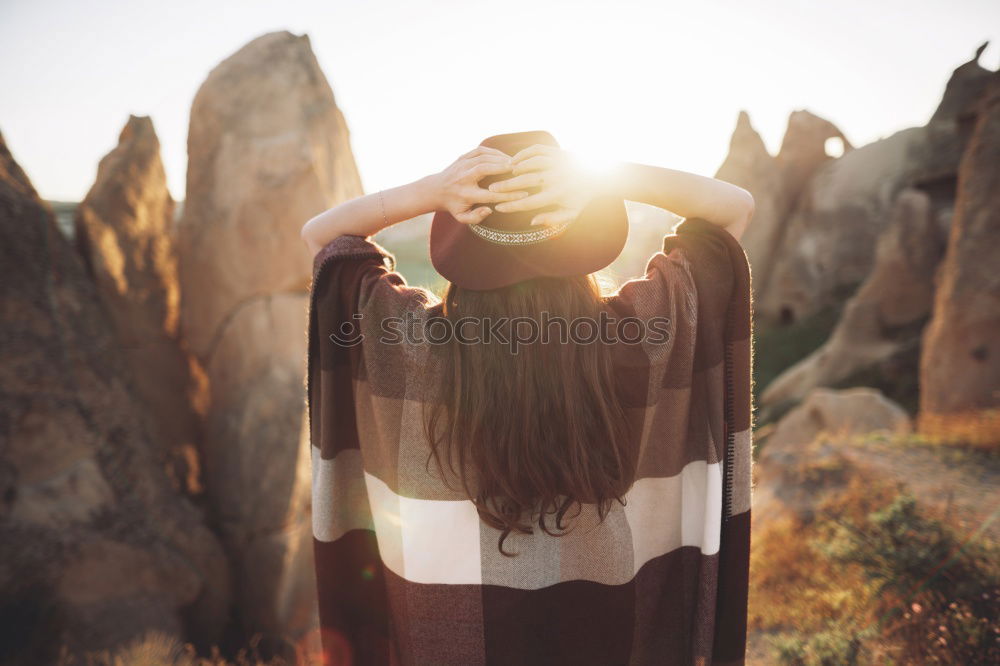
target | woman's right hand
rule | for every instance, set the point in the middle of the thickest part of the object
(562, 179)
(457, 187)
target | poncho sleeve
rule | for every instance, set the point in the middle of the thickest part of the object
(354, 286)
(698, 409)
(721, 273)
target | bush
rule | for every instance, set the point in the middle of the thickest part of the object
(937, 596)
(837, 645)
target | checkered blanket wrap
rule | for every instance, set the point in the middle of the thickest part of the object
(407, 573)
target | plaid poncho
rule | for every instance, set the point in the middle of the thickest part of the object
(406, 571)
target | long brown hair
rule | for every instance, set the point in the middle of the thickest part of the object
(541, 425)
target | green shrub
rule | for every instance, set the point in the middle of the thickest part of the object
(937, 595)
(836, 646)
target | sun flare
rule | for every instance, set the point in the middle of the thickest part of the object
(595, 162)
(596, 166)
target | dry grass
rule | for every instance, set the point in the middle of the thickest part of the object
(156, 649)
(979, 429)
(831, 585)
(792, 586)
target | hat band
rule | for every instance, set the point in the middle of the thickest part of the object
(530, 237)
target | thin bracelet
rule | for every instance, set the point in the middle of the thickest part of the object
(382, 202)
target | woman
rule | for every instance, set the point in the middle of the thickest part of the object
(527, 471)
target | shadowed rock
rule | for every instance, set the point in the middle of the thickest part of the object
(124, 234)
(96, 547)
(960, 365)
(964, 89)
(267, 150)
(889, 310)
(828, 246)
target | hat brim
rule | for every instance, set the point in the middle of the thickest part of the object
(588, 244)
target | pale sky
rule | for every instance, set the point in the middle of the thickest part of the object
(422, 82)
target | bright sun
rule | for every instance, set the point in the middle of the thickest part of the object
(596, 165)
(594, 161)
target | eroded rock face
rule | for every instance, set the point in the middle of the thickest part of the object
(800, 471)
(852, 411)
(267, 150)
(828, 246)
(96, 547)
(803, 149)
(775, 182)
(964, 89)
(751, 167)
(889, 310)
(810, 436)
(960, 365)
(124, 234)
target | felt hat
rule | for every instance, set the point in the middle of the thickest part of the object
(505, 249)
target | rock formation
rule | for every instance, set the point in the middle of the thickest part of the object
(960, 365)
(887, 314)
(964, 89)
(124, 234)
(851, 411)
(267, 150)
(775, 182)
(96, 547)
(814, 435)
(806, 462)
(751, 167)
(827, 246)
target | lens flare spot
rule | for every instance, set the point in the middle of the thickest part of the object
(392, 518)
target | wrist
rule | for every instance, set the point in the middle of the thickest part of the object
(429, 193)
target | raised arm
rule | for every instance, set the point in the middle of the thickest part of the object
(454, 189)
(363, 216)
(565, 182)
(686, 194)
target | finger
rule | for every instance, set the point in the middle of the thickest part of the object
(533, 164)
(539, 200)
(533, 179)
(532, 151)
(484, 169)
(469, 165)
(474, 216)
(484, 150)
(555, 217)
(480, 195)
(489, 157)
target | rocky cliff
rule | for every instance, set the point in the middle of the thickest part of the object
(816, 250)
(124, 233)
(868, 238)
(96, 546)
(960, 365)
